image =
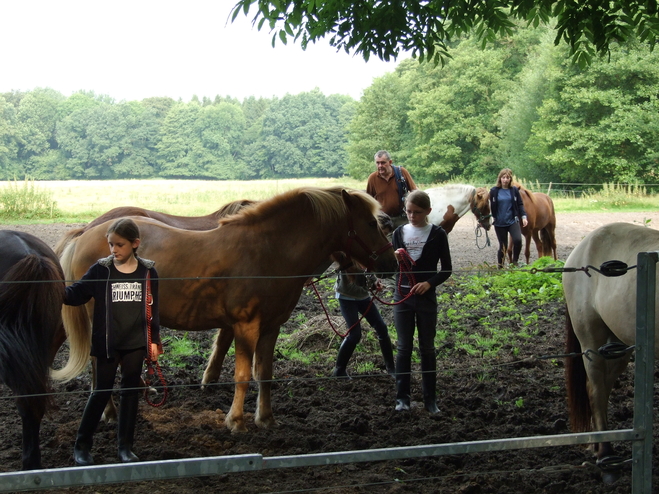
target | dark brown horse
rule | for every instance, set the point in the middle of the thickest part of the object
(31, 297)
(207, 222)
(541, 224)
(244, 277)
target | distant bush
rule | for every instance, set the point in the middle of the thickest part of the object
(24, 200)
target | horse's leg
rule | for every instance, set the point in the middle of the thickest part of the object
(538, 246)
(221, 345)
(265, 350)
(31, 412)
(246, 338)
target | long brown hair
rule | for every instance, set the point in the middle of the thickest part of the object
(506, 172)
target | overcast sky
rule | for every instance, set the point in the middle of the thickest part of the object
(133, 49)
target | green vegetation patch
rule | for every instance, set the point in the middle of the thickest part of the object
(25, 200)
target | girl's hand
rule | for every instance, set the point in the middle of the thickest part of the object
(398, 254)
(525, 222)
(154, 352)
(420, 288)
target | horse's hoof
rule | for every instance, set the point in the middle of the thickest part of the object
(265, 423)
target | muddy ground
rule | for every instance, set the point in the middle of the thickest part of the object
(479, 399)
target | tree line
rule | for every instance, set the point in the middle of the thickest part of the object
(519, 102)
(46, 136)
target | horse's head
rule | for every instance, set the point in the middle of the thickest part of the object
(480, 206)
(366, 242)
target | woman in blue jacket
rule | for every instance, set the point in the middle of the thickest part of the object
(507, 210)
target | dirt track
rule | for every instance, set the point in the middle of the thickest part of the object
(317, 414)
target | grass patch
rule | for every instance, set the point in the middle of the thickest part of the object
(26, 200)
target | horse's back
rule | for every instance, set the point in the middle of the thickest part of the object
(449, 203)
(611, 300)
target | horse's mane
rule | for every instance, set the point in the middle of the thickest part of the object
(233, 207)
(524, 189)
(326, 203)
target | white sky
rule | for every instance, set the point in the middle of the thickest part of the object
(133, 49)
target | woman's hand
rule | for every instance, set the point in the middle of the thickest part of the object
(154, 352)
(420, 288)
(524, 221)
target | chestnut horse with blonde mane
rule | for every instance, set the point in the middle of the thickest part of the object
(244, 277)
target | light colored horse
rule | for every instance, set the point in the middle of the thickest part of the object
(600, 310)
(451, 202)
(244, 277)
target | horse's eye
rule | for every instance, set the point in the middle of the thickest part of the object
(373, 223)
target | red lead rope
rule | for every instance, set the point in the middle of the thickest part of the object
(406, 264)
(150, 361)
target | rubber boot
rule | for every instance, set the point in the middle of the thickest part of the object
(388, 355)
(345, 352)
(128, 405)
(429, 383)
(403, 367)
(85, 437)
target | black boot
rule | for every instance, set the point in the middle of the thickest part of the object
(403, 367)
(126, 429)
(85, 437)
(429, 382)
(388, 355)
(345, 352)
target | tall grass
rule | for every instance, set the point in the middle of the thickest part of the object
(80, 200)
(26, 200)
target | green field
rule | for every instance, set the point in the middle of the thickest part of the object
(84, 200)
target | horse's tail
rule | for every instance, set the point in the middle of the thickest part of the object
(548, 233)
(66, 239)
(77, 326)
(575, 380)
(31, 297)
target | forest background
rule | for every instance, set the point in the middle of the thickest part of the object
(519, 103)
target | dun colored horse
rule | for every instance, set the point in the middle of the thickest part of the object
(31, 296)
(244, 277)
(601, 310)
(452, 202)
(541, 224)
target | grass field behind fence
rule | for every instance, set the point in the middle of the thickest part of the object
(78, 200)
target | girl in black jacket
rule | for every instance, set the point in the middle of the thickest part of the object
(118, 285)
(507, 210)
(421, 246)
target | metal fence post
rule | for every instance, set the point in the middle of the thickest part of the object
(646, 281)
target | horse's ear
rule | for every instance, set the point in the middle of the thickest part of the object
(347, 198)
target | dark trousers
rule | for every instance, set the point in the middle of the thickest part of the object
(106, 371)
(417, 312)
(515, 231)
(351, 310)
